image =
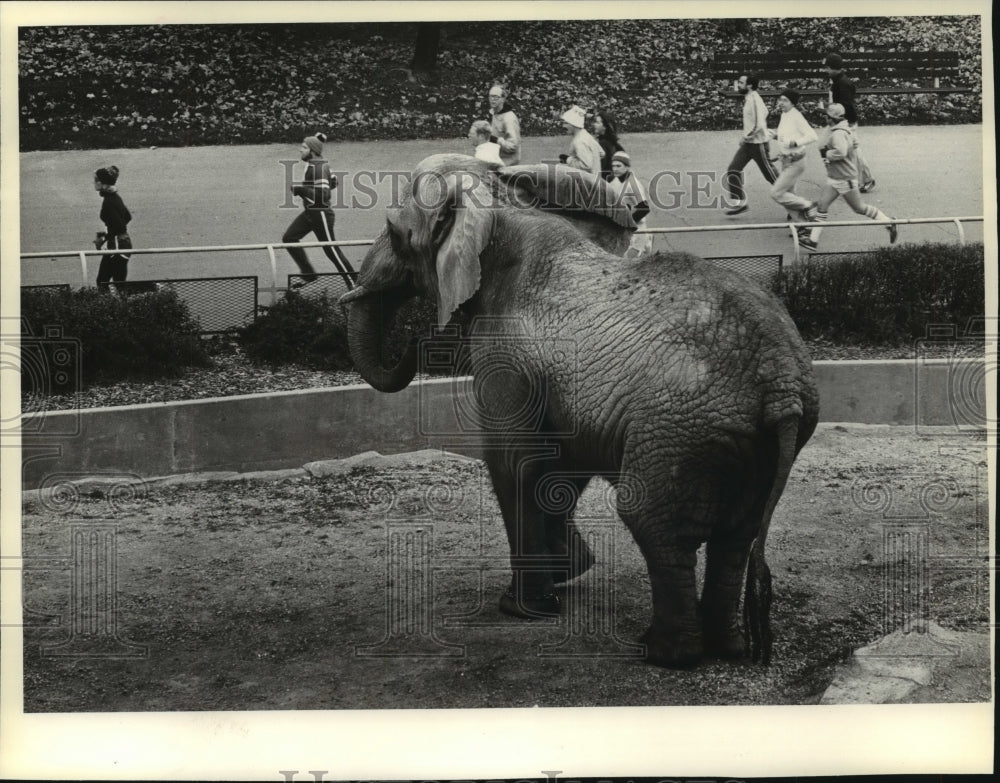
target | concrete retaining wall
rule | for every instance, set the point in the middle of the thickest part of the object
(287, 429)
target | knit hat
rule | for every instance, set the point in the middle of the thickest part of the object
(107, 175)
(791, 94)
(622, 157)
(315, 143)
(574, 116)
(835, 111)
(834, 60)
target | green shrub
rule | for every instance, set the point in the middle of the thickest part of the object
(888, 295)
(299, 330)
(311, 331)
(147, 335)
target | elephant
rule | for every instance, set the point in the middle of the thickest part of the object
(686, 386)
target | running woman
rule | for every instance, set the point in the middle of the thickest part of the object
(841, 162)
(317, 215)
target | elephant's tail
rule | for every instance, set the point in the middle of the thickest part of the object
(757, 600)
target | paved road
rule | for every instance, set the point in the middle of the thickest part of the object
(236, 195)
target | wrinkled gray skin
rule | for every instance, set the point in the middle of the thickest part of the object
(686, 386)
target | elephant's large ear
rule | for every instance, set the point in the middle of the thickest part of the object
(471, 216)
(565, 187)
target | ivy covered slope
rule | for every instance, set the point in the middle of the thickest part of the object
(105, 87)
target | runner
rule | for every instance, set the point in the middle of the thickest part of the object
(317, 214)
(841, 178)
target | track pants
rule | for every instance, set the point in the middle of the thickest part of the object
(320, 223)
(783, 189)
(733, 181)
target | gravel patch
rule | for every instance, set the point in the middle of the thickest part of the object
(232, 373)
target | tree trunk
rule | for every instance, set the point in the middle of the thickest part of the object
(425, 51)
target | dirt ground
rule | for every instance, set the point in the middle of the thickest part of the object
(377, 588)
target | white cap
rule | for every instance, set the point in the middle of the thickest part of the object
(574, 116)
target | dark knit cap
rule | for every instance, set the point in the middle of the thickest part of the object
(107, 175)
(315, 143)
(834, 60)
(791, 94)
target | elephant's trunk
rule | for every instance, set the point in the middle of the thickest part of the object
(370, 316)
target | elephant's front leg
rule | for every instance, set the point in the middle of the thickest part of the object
(515, 476)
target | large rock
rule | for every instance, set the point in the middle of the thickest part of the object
(915, 667)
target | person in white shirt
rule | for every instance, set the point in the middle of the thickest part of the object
(585, 152)
(479, 135)
(753, 146)
(793, 137)
(626, 189)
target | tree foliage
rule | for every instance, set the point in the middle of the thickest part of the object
(103, 87)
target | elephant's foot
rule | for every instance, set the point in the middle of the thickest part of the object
(721, 631)
(675, 650)
(724, 642)
(529, 606)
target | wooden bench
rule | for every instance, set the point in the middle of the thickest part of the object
(799, 69)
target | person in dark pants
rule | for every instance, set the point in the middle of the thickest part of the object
(317, 216)
(753, 146)
(842, 91)
(116, 217)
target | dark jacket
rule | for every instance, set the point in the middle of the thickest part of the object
(315, 188)
(114, 213)
(842, 91)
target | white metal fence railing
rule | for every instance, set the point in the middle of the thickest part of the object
(270, 247)
(793, 227)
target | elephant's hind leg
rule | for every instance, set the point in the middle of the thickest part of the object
(669, 526)
(725, 565)
(726, 558)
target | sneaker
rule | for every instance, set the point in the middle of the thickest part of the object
(738, 210)
(893, 234)
(868, 187)
(807, 243)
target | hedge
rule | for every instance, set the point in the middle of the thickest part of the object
(186, 85)
(311, 331)
(95, 336)
(297, 329)
(889, 295)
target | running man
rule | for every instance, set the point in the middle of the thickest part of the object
(841, 162)
(793, 137)
(753, 146)
(317, 216)
(842, 91)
